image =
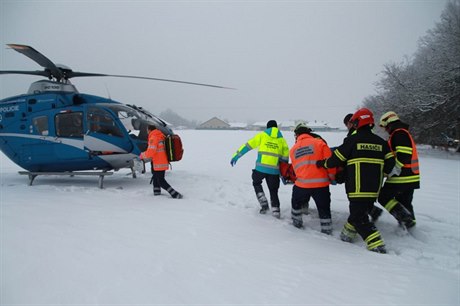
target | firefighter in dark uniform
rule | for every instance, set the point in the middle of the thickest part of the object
(400, 188)
(366, 157)
(375, 212)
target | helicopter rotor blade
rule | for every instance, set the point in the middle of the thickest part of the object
(87, 74)
(38, 58)
(51, 70)
(45, 73)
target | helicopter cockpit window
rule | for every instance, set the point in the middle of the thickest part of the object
(100, 121)
(41, 125)
(135, 120)
(69, 124)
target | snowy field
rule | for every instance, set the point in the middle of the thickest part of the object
(64, 241)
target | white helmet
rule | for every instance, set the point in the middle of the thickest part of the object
(387, 118)
(301, 127)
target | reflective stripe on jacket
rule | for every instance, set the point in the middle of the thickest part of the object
(156, 151)
(405, 151)
(304, 155)
(272, 149)
(367, 157)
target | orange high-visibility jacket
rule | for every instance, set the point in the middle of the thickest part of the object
(304, 155)
(405, 151)
(156, 151)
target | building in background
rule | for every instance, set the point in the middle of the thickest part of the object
(257, 126)
(284, 125)
(214, 124)
(238, 125)
(320, 126)
(287, 125)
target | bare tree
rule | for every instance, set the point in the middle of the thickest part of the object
(425, 90)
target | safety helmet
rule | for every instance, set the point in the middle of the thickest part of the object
(387, 118)
(301, 128)
(362, 117)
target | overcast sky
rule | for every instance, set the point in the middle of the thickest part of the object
(311, 60)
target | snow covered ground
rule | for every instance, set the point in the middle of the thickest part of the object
(64, 241)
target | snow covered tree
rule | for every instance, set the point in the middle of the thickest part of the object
(425, 90)
(176, 120)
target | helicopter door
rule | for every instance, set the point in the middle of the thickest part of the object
(104, 135)
(38, 148)
(69, 133)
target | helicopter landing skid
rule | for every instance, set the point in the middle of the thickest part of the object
(33, 175)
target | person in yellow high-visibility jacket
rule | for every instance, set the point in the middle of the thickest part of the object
(273, 149)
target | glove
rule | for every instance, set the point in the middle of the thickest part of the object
(233, 161)
(320, 163)
(340, 177)
(333, 182)
(395, 171)
(286, 181)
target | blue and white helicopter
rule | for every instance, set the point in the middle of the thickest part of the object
(54, 129)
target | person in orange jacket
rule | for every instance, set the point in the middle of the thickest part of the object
(398, 191)
(157, 154)
(311, 181)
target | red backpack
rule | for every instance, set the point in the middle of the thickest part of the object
(174, 149)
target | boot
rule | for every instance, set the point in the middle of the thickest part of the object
(375, 213)
(297, 223)
(263, 210)
(174, 194)
(403, 216)
(296, 216)
(326, 226)
(380, 249)
(348, 233)
(178, 196)
(263, 202)
(276, 212)
(375, 242)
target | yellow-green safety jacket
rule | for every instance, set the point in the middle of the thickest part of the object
(272, 149)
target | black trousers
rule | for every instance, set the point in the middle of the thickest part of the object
(159, 182)
(322, 197)
(273, 183)
(400, 193)
(359, 217)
